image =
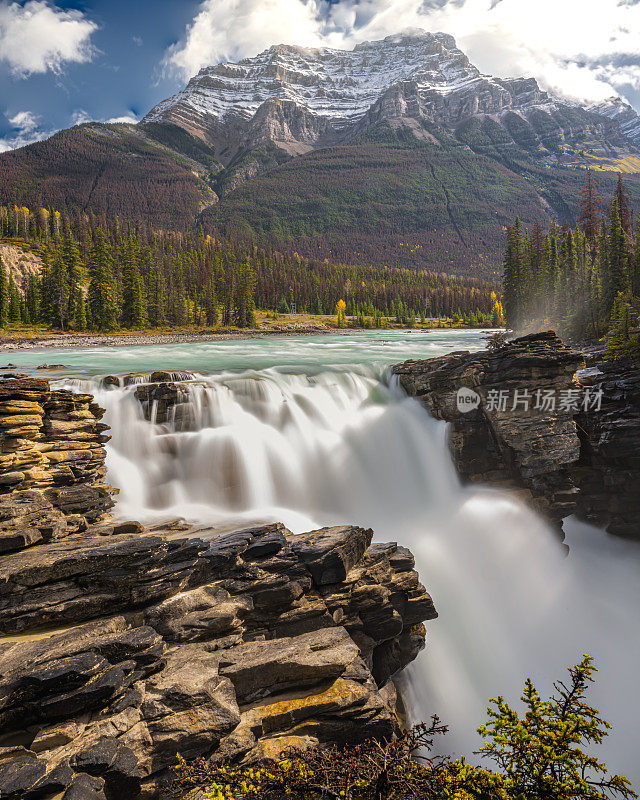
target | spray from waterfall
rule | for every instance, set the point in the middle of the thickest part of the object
(342, 446)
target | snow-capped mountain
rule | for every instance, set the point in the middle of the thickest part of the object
(339, 85)
(301, 98)
(623, 114)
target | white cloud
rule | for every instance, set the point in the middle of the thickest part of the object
(26, 127)
(36, 36)
(25, 121)
(129, 118)
(80, 116)
(572, 47)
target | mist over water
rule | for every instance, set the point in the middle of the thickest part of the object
(312, 435)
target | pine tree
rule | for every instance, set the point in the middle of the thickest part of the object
(156, 302)
(635, 265)
(590, 210)
(102, 292)
(72, 267)
(60, 292)
(33, 298)
(620, 342)
(134, 300)
(4, 297)
(616, 277)
(621, 199)
(244, 310)
(210, 303)
(80, 311)
(14, 300)
(512, 280)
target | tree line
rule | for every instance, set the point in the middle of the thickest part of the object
(102, 274)
(585, 282)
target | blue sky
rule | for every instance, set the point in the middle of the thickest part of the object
(67, 62)
(120, 74)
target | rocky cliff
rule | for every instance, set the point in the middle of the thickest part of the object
(539, 425)
(495, 443)
(608, 470)
(51, 463)
(122, 646)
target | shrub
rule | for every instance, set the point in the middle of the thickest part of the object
(540, 756)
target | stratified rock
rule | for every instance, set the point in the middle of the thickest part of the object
(233, 646)
(330, 553)
(51, 442)
(529, 448)
(608, 472)
(70, 673)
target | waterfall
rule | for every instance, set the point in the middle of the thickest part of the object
(345, 446)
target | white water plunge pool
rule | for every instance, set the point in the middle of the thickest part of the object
(309, 431)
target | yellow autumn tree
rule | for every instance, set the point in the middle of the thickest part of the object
(341, 316)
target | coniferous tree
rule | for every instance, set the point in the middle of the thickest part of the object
(616, 276)
(60, 292)
(590, 210)
(33, 298)
(622, 202)
(620, 342)
(244, 310)
(4, 296)
(80, 311)
(210, 303)
(513, 268)
(102, 291)
(134, 301)
(72, 268)
(14, 300)
(635, 264)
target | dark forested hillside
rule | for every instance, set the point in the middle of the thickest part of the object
(398, 194)
(113, 170)
(394, 197)
(98, 273)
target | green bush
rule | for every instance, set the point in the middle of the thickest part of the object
(539, 756)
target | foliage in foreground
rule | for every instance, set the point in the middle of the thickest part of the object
(539, 754)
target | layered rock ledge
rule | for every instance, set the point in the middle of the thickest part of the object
(563, 459)
(122, 646)
(233, 646)
(51, 463)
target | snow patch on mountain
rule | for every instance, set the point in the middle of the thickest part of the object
(337, 84)
(616, 108)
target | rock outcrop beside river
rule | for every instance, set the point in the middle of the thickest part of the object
(526, 448)
(608, 471)
(51, 463)
(122, 646)
(562, 459)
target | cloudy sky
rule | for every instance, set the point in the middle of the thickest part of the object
(67, 62)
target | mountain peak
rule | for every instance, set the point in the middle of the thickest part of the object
(305, 97)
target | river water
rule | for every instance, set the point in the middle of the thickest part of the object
(311, 431)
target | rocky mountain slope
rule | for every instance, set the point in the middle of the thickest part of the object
(399, 151)
(299, 98)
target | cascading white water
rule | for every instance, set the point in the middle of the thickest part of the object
(343, 446)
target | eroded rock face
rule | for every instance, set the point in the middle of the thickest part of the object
(51, 463)
(563, 460)
(525, 448)
(232, 646)
(608, 471)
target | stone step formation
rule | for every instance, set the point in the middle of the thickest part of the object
(122, 646)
